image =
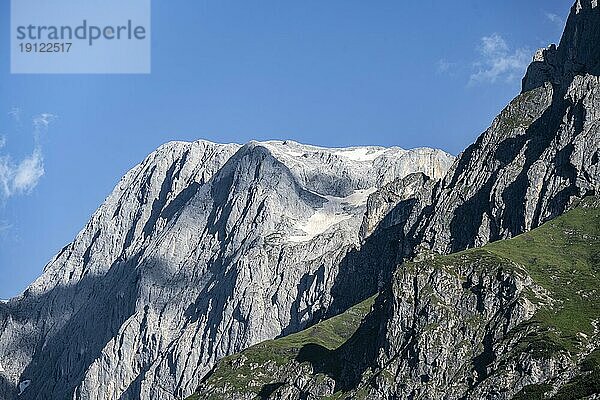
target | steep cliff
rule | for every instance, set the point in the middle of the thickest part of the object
(201, 251)
(540, 154)
(516, 319)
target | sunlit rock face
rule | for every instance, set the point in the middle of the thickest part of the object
(484, 323)
(540, 154)
(201, 250)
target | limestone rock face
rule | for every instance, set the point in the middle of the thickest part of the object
(383, 205)
(462, 327)
(513, 319)
(441, 347)
(539, 155)
(577, 53)
(200, 251)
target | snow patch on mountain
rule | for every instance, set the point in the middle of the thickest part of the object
(334, 211)
(362, 154)
(201, 250)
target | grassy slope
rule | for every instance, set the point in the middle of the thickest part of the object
(251, 375)
(562, 256)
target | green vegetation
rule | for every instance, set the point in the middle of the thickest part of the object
(251, 370)
(533, 392)
(562, 257)
(585, 384)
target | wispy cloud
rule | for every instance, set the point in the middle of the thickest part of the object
(498, 62)
(555, 19)
(445, 67)
(15, 113)
(4, 226)
(17, 178)
(41, 122)
(28, 173)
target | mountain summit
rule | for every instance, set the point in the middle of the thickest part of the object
(461, 317)
(473, 278)
(201, 250)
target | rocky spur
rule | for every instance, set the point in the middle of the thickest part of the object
(85, 31)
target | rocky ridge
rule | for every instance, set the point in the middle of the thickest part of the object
(540, 154)
(200, 251)
(481, 323)
(516, 319)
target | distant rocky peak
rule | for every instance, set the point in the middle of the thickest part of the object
(577, 54)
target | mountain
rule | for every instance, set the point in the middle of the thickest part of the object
(540, 154)
(515, 319)
(201, 251)
(484, 267)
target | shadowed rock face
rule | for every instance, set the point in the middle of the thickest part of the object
(201, 251)
(577, 53)
(463, 328)
(539, 155)
(515, 319)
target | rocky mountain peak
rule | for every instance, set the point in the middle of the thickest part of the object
(577, 53)
(201, 250)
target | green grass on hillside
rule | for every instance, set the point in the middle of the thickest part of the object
(562, 256)
(249, 371)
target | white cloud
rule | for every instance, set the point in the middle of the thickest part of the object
(29, 172)
(498, 62)
(15, 113)
(42, 121)
(444, 66)
(555, 19)
(6, 176)
(22, 177)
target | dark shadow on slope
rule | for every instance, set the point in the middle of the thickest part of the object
(363, 272)
(535, 141)
(468, 217)
(347, 364)
(178, 203)
(577, 54)
(252, 166)
(267, 390)
(68, 353)
(160, 203)
(296, 315)
(7, 390)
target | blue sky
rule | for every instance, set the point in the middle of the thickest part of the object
(331, 73)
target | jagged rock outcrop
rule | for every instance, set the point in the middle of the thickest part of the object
(201, 251)
(539, 155)
(383, 205)
(577, 53)
(516, 319)
(488, 323)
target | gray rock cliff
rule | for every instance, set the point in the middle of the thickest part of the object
(540, 154)
(516, 319)
(201, 251)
